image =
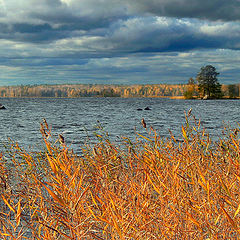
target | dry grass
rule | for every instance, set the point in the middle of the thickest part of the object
(150, 189)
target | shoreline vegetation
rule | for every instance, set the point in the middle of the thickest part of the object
(152, 188)
(205, 86)
(177, 91)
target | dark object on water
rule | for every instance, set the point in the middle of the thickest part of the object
(139, 109)
(147, 108)
(144, 123)
(1, 106)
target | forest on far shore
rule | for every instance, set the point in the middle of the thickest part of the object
(96, 90)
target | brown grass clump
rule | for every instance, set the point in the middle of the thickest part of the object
(150, 189)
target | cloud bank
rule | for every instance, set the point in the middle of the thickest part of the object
(39, 36)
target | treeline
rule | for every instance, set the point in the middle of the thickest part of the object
(92, 90)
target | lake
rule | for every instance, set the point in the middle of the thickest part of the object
(76, 119)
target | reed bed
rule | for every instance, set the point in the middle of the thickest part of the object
(152, 188)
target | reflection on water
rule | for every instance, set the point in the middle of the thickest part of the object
(76, 118)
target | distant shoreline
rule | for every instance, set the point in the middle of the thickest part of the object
(172, 91)
(163, 97)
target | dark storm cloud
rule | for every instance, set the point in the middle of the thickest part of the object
(30, 32)
(40, 33)
(52, 20)
(212, 10)
(155, 34)
(124, 37)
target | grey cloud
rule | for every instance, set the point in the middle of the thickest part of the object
(40, 33)
(49, 20)
(153, 34)
(138, 68)
(134, 35)
(30, 32)
(93, 39)
(58, 12)
(52, 20)
(124, 37)
(212, 10)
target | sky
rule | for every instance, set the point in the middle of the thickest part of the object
(117, 41)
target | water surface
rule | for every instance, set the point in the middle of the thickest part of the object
(76, 119)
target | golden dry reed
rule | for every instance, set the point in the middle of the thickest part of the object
(151, 188)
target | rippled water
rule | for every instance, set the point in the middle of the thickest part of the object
(76, 118)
